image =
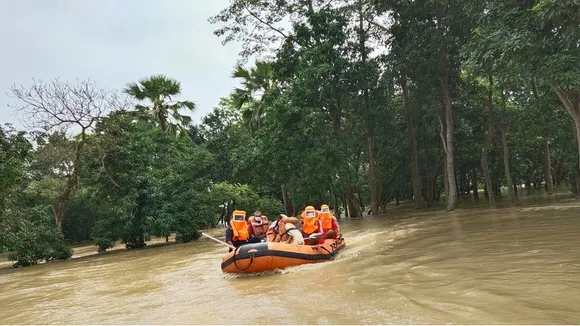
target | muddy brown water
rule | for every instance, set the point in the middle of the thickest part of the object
(518, 265)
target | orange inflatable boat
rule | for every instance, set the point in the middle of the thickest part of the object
(265, 256)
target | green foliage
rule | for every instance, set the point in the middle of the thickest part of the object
(162, 111)
(26, 229)
(148, 181)
(242, 197)
(35, 238)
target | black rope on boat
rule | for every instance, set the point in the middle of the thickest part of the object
(330, 253)
(236, 264)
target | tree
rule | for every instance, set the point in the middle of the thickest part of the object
(259, 88)
(26, 228)
(67, 107)
(540, 39)
(139, 193)
(163, 111)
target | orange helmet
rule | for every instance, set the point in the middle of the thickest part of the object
(309, 211)
(239, 215)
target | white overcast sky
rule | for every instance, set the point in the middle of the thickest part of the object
(115, 42)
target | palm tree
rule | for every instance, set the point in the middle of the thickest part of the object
(159, 90)
(258, 85)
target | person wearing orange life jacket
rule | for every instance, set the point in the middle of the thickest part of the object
(237, 233)
(258, 224)
(311, 224)
(328, 221)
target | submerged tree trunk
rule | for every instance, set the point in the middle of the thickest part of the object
(506, 164)
(345, 206)
(449, 146)
(417, 198)
(445, 179)
(352, 202)
(504, 144)
(373, 177)
(474, 184)
(547, 166)
(487, 143)
(575, 184)
(430, 192)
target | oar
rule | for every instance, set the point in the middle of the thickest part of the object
(217, 240)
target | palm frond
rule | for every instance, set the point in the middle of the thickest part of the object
(187, 104)
(241, 72)
(135, 90)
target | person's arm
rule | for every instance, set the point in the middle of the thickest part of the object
(336, 225)
(263, 222)
(320, 230)
(229, 235)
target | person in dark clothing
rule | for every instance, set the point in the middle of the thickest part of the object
(240, 236)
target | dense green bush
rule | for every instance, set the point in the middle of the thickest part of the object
(36, 238)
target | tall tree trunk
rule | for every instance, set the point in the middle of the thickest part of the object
(288, 209)
(547, 166)
(445, 179)
(566, 97)
(448, 143)
(508, 176)
(487, 143)
(413, 146)
(373, 177)
(373, 164)
(431, 191)
(504, 144)
(353, 204)
(345, 206)
(474, 184)
(60, 209)
(575, 184)
(486, 190)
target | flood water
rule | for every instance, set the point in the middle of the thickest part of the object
(518, 265)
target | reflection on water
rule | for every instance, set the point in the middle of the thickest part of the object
(513, 265)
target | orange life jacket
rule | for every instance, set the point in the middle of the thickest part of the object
(326, 219)
(309, 220)
(240, 228)
(272, 236)
(262, 229)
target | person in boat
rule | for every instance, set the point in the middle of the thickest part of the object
(311, 223)
(329, 222)
(290, 234)
(238, 233)
(277, 229)
(258, 224)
